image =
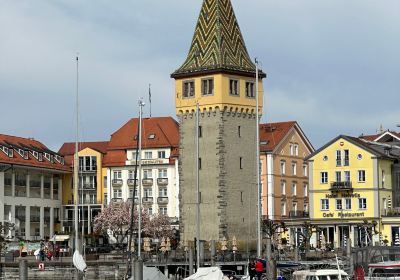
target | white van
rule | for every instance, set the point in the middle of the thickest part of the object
(320, 274)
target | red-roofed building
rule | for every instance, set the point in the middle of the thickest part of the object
(284, 175)
(159, 158)
(30, 187)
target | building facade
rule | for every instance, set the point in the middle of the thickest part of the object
(31, 183)
(220, 77)
(91, 190)
(284, 174)
(160, 179)
(351, 190)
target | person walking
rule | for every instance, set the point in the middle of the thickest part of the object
(259, 268)
(252, 270)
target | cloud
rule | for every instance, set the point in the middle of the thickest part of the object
(331, 65)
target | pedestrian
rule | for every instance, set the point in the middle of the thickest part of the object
(259, 268)
(252, 269)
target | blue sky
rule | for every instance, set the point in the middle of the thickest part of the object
(334, 65)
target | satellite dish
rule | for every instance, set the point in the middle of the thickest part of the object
(79, 262)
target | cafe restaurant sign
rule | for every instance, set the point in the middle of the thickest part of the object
(344, 215)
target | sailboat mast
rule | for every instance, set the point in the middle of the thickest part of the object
(141, 105)
(259, 240)
(76, 162)
(197, 187)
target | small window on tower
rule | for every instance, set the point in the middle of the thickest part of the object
(241, 163)
(234, 87)
(188, 89)
(207, 86)
(200, 131)
(250, 89)
(239, 131)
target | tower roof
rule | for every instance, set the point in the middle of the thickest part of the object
(217, 44)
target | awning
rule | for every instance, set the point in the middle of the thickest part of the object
(59, 238)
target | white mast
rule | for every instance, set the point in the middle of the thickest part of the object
(76, 162)
(141, 105)
(259, 240)
(197, 188)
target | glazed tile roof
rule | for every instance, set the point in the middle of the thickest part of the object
(31, 147)
(217, 44)
(158, 132)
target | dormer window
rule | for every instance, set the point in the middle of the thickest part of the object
(47, 156)
(62, 161)
(57, 158)
(40, 157)
(35, 154)
(152, 136)
(23, 153)
(7, 151)
(52, 158)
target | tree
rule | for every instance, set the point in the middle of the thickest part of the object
(159, 226)
(115, 220)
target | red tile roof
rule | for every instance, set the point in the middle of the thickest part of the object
(30, 145)
(273, 133)
(158, 132)
(370, 137)
(69, 148)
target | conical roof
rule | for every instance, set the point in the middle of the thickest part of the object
(217, 44)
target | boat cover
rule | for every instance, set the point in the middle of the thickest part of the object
(207, 273)
(152, 273)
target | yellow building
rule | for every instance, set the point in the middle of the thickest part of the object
(92, 193)
(350, 191)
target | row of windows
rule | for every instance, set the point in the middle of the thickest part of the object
(88, 163)
(344, 204)
(207, 88)
(294, 168)
(294, 188)
(294, 208)
(149, 155)
(344, 176)
(37, 155)
(147, 192)
(147, 174)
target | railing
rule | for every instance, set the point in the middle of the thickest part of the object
(341, 185)
(299, 214)
(395, 212)
(131, 182)
(147, 200)
(88, 186)
(116, 199)
(147, 182)
(117, 182)
(136, 199)
(162, 199)
(162, 181)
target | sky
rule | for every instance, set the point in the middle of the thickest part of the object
(332, 65)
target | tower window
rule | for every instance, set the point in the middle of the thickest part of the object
(199, 163)
(234, 87)
(200, 131)
(241, 163)
(207, 87)
(239, 131)
(188, 89)
(250, 89)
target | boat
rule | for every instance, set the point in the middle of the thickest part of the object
(389, 270)
(320, 274)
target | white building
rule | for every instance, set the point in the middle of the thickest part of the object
(159, 158)
(30, 187)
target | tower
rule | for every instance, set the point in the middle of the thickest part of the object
(219, 76)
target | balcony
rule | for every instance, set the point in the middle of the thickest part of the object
(162, 200)
(283, 196)
(299, 214)
(395, 212)
(162, 181)
(147, 200)
(117, 182)
(131, 182)
(341, 186)
(136, 200)
(90, 187)
(147, 182)
(35, 219)
(116, 200)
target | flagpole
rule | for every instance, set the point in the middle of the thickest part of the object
(150, 98)
(76, 159)
(259, 240)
